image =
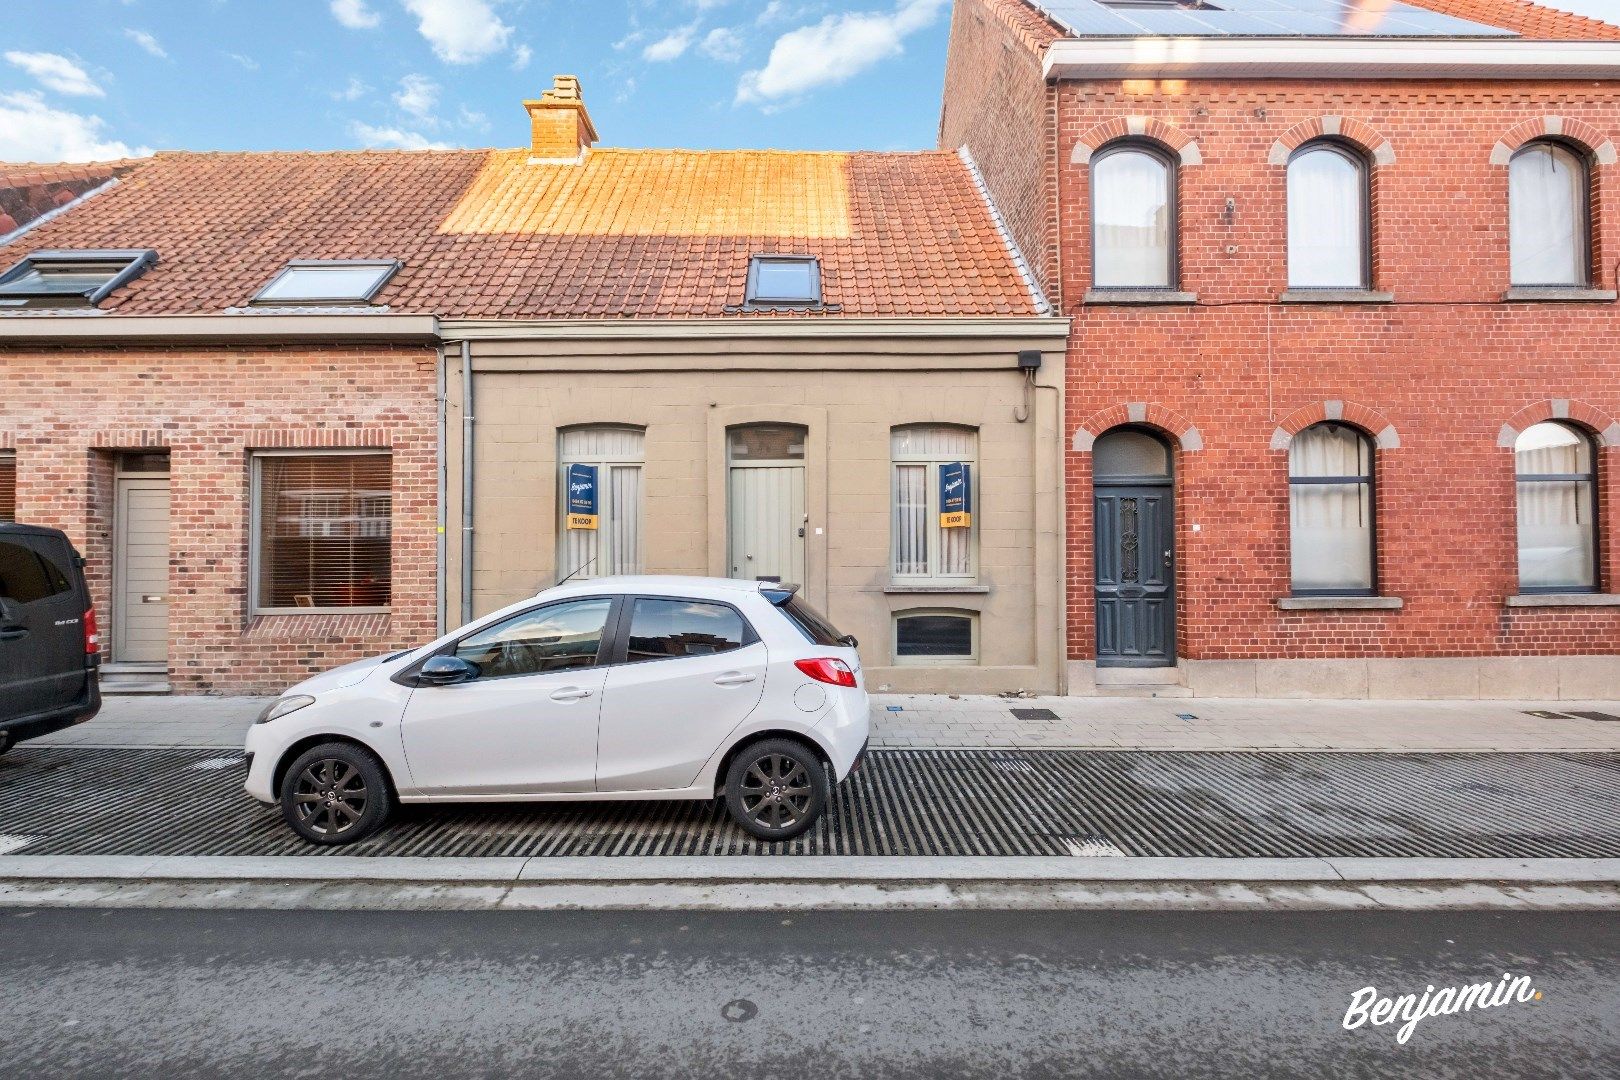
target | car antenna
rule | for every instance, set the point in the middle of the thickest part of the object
(577, 571)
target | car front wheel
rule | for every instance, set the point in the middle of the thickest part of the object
(335, 793)
(776, 789)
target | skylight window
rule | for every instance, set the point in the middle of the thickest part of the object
(330, 282)
(784, 281)
(68, 279)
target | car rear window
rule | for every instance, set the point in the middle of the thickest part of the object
(27, 576)
(813, 624)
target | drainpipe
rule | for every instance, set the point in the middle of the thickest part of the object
(441, 522)
(466, 482)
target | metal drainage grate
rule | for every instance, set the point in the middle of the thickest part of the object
(1034, 714)
(1603, 717)
(904, 802)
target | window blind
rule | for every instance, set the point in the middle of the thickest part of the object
(325, 530)
(8, 487)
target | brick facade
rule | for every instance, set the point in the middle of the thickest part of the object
(69, 410)
(1437, 376)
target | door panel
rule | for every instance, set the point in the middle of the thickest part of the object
(1135, 576)
(141, 633)
(41, 627)
(766, 510)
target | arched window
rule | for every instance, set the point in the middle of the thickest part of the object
(1327, 218)
(1547, 216)
(1330, 511)
(1556, 470)
(1133, 218)
(614, 456)
(934, 466)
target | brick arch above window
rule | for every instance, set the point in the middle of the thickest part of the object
(1566, 128)
(1358, 133)
(1601, 424)
(1181, 146)
(1146, 414)
(1369, 420)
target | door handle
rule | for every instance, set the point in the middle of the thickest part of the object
(570, 693)
(734, 680)
(13, 633)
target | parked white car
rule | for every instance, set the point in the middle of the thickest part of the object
(615, 688)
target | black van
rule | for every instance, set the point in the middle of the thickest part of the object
(49, 649)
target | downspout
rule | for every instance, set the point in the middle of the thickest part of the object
(466, 482)
(442, 512)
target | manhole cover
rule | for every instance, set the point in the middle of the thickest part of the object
(1034, 714)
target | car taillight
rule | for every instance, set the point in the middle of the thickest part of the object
(92, 638)
(827, 670)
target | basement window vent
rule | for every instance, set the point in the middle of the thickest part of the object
(71, 279)
(784, 283)
(328, 282)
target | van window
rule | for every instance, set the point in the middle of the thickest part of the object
(27, 576)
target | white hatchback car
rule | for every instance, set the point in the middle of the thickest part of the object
(615, 688)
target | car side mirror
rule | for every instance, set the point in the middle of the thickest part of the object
(446, 671)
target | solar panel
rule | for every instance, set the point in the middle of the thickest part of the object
(1260, 18)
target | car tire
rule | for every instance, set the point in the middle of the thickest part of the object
(777, 788)
(336, 793)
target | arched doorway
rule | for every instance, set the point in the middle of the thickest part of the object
(1133, 515)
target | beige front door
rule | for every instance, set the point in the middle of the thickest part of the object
(141, 571)
(767, 523)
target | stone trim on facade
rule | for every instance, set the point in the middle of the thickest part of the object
(1146, 414)
(1180, 144)
(1369, 420)
(1558, 127)
(1358, 133)
(1601, 424)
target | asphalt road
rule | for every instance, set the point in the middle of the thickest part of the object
(579, 995)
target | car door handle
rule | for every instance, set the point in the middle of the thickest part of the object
(734, 679)
(570, 693)
(12, 633)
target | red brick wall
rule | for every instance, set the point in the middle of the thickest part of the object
(1447, 365)
(67, 409)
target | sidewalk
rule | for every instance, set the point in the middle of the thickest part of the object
(942, 722)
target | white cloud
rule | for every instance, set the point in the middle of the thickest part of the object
(473, 119)
(418, 95)
(246, 61)
(521, 57)
(460, 31)
(723, 44)
(834, 50)
(355, 14)
(393, 138)
(30, 130)
(147, 42)
(670, 46)
(353, 91)
(57, 73)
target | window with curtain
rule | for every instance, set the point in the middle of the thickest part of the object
(1556, 473)
(614, 546)
(923, 548)
(1547, 216)
(1132, 219)
(1327, 218)
(1330, 505)
(8, 486)
(323, 532)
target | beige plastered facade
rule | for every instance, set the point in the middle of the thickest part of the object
(849, 382)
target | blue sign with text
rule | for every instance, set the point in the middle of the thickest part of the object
(955, 495)
(582, 499)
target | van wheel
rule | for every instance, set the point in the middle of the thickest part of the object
(776, 789)
(336, 793)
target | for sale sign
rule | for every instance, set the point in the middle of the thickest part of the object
(582, 497)
(955, 496)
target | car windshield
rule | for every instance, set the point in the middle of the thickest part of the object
(813, 624)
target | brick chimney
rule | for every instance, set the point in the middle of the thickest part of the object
(560, 128)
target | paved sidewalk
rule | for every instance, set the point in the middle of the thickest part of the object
(944, 722)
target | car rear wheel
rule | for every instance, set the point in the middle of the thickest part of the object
(336, 793)
(776, 789)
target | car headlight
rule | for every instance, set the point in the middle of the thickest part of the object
(282, 706)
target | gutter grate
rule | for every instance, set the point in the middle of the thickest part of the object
(77, 801)
(1599, 716)
(1034, 714)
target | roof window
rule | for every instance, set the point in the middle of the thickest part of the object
(783, 281)
(70, 279)
(328, 281)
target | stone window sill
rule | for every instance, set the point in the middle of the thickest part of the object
(958, 590)
(1559, 295)
(1340, 603)
(1553, 600)
(1335, 296)
(1140, 297)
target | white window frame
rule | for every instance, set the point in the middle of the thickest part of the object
(255, 505)
(932, 462)
(385, 270)
(605, 464)
(970, 660)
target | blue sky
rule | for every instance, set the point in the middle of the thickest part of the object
(85, 79)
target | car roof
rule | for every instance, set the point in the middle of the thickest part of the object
(17, 528)
(658, 584)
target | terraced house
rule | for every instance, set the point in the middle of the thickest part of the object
(300, 408)
(1343, 402)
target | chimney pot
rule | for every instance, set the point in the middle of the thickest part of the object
(559, 126)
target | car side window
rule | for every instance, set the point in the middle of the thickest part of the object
(27, 576)
(660, 629)
(552, 638)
